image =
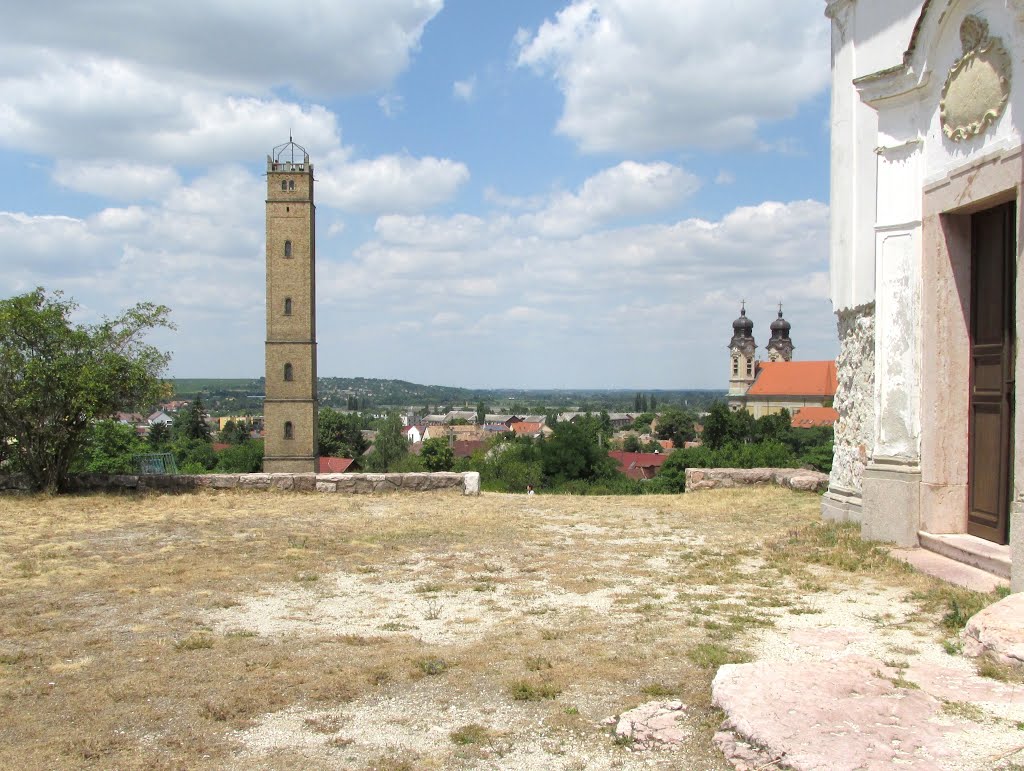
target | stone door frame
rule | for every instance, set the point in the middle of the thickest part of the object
(945, 336)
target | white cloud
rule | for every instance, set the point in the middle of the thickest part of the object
(391, 104)
(388, 183)
(465, 89)
(621, 192)
(642, 75)
(725, 177)
(320, 48)
(103, 108)
(649, 301)
(117, 180)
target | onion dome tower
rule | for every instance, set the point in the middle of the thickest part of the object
(780, 347)
(741, 354)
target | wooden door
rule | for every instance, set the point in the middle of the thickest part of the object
(993, 248)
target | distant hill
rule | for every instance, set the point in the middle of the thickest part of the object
(241, 395)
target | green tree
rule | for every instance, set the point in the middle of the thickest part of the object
(677, 425)
(481, 413)
(437, 455)
(57, 377)
(193, 456)
(642, 422)
(244, 458)
(572, 452)
(110, 448)
(632, 444)
(390, 446)
(190, 423)
(159, 437)
(235, 432)
(717, 426)
(340, 434)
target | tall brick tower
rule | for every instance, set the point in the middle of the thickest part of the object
(290, 407)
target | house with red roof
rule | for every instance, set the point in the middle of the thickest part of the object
(334, 465)
(812, 417)
(638, 465)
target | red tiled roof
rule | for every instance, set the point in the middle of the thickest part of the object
(795, 378)
(809, 417)
(523, 427)
(334, 465)
(463, 448)
(218, 446)
(638, 465)
(666, 443)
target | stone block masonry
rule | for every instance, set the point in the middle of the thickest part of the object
(352, 484)
(793, 478)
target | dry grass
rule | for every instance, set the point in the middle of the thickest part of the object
(304, 630)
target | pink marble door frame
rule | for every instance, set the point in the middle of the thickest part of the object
(945, 313)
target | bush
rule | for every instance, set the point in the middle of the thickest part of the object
(245, 458)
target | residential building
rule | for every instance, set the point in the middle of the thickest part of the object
(638, 465)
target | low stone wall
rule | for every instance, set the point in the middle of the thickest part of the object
(468, 481)
(793, 478)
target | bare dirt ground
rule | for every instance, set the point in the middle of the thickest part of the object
(279, 630)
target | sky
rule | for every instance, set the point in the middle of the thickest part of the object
(522, 194)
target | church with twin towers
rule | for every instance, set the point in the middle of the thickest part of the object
(290, 407)
(768, 387)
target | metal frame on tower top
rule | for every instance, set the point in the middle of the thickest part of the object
(282, 157)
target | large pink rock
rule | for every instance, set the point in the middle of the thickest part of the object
(998, 631)
(841, 714)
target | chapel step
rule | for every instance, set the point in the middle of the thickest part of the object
(970, 550)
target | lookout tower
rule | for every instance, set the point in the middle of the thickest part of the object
(290, 407)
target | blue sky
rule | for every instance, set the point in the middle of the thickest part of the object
(523, 194)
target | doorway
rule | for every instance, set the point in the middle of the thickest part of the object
(990, 433)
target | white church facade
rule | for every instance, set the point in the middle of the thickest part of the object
(927, 170)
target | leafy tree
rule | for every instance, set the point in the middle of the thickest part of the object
(717, 425)
(481, 413)
(677, 425)
(57, 377)
(654, 403)
(573, 452)
(244, 458)
(110, 448)
(190, 423)
(437, 455)
(642, 422)
(235, 432)
(193, 456)
(390, 446)
(159, 437)
(340, 435)
(632, 444)
(509, 465)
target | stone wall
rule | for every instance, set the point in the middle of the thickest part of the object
(793, 478)
(855, 399)
(468, 482)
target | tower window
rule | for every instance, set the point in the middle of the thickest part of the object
(287, 248)
(289, 431)
(735, 366)
(287, 306)
(284, 185)
(288, 373)
(750, 368)
(291, 184)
